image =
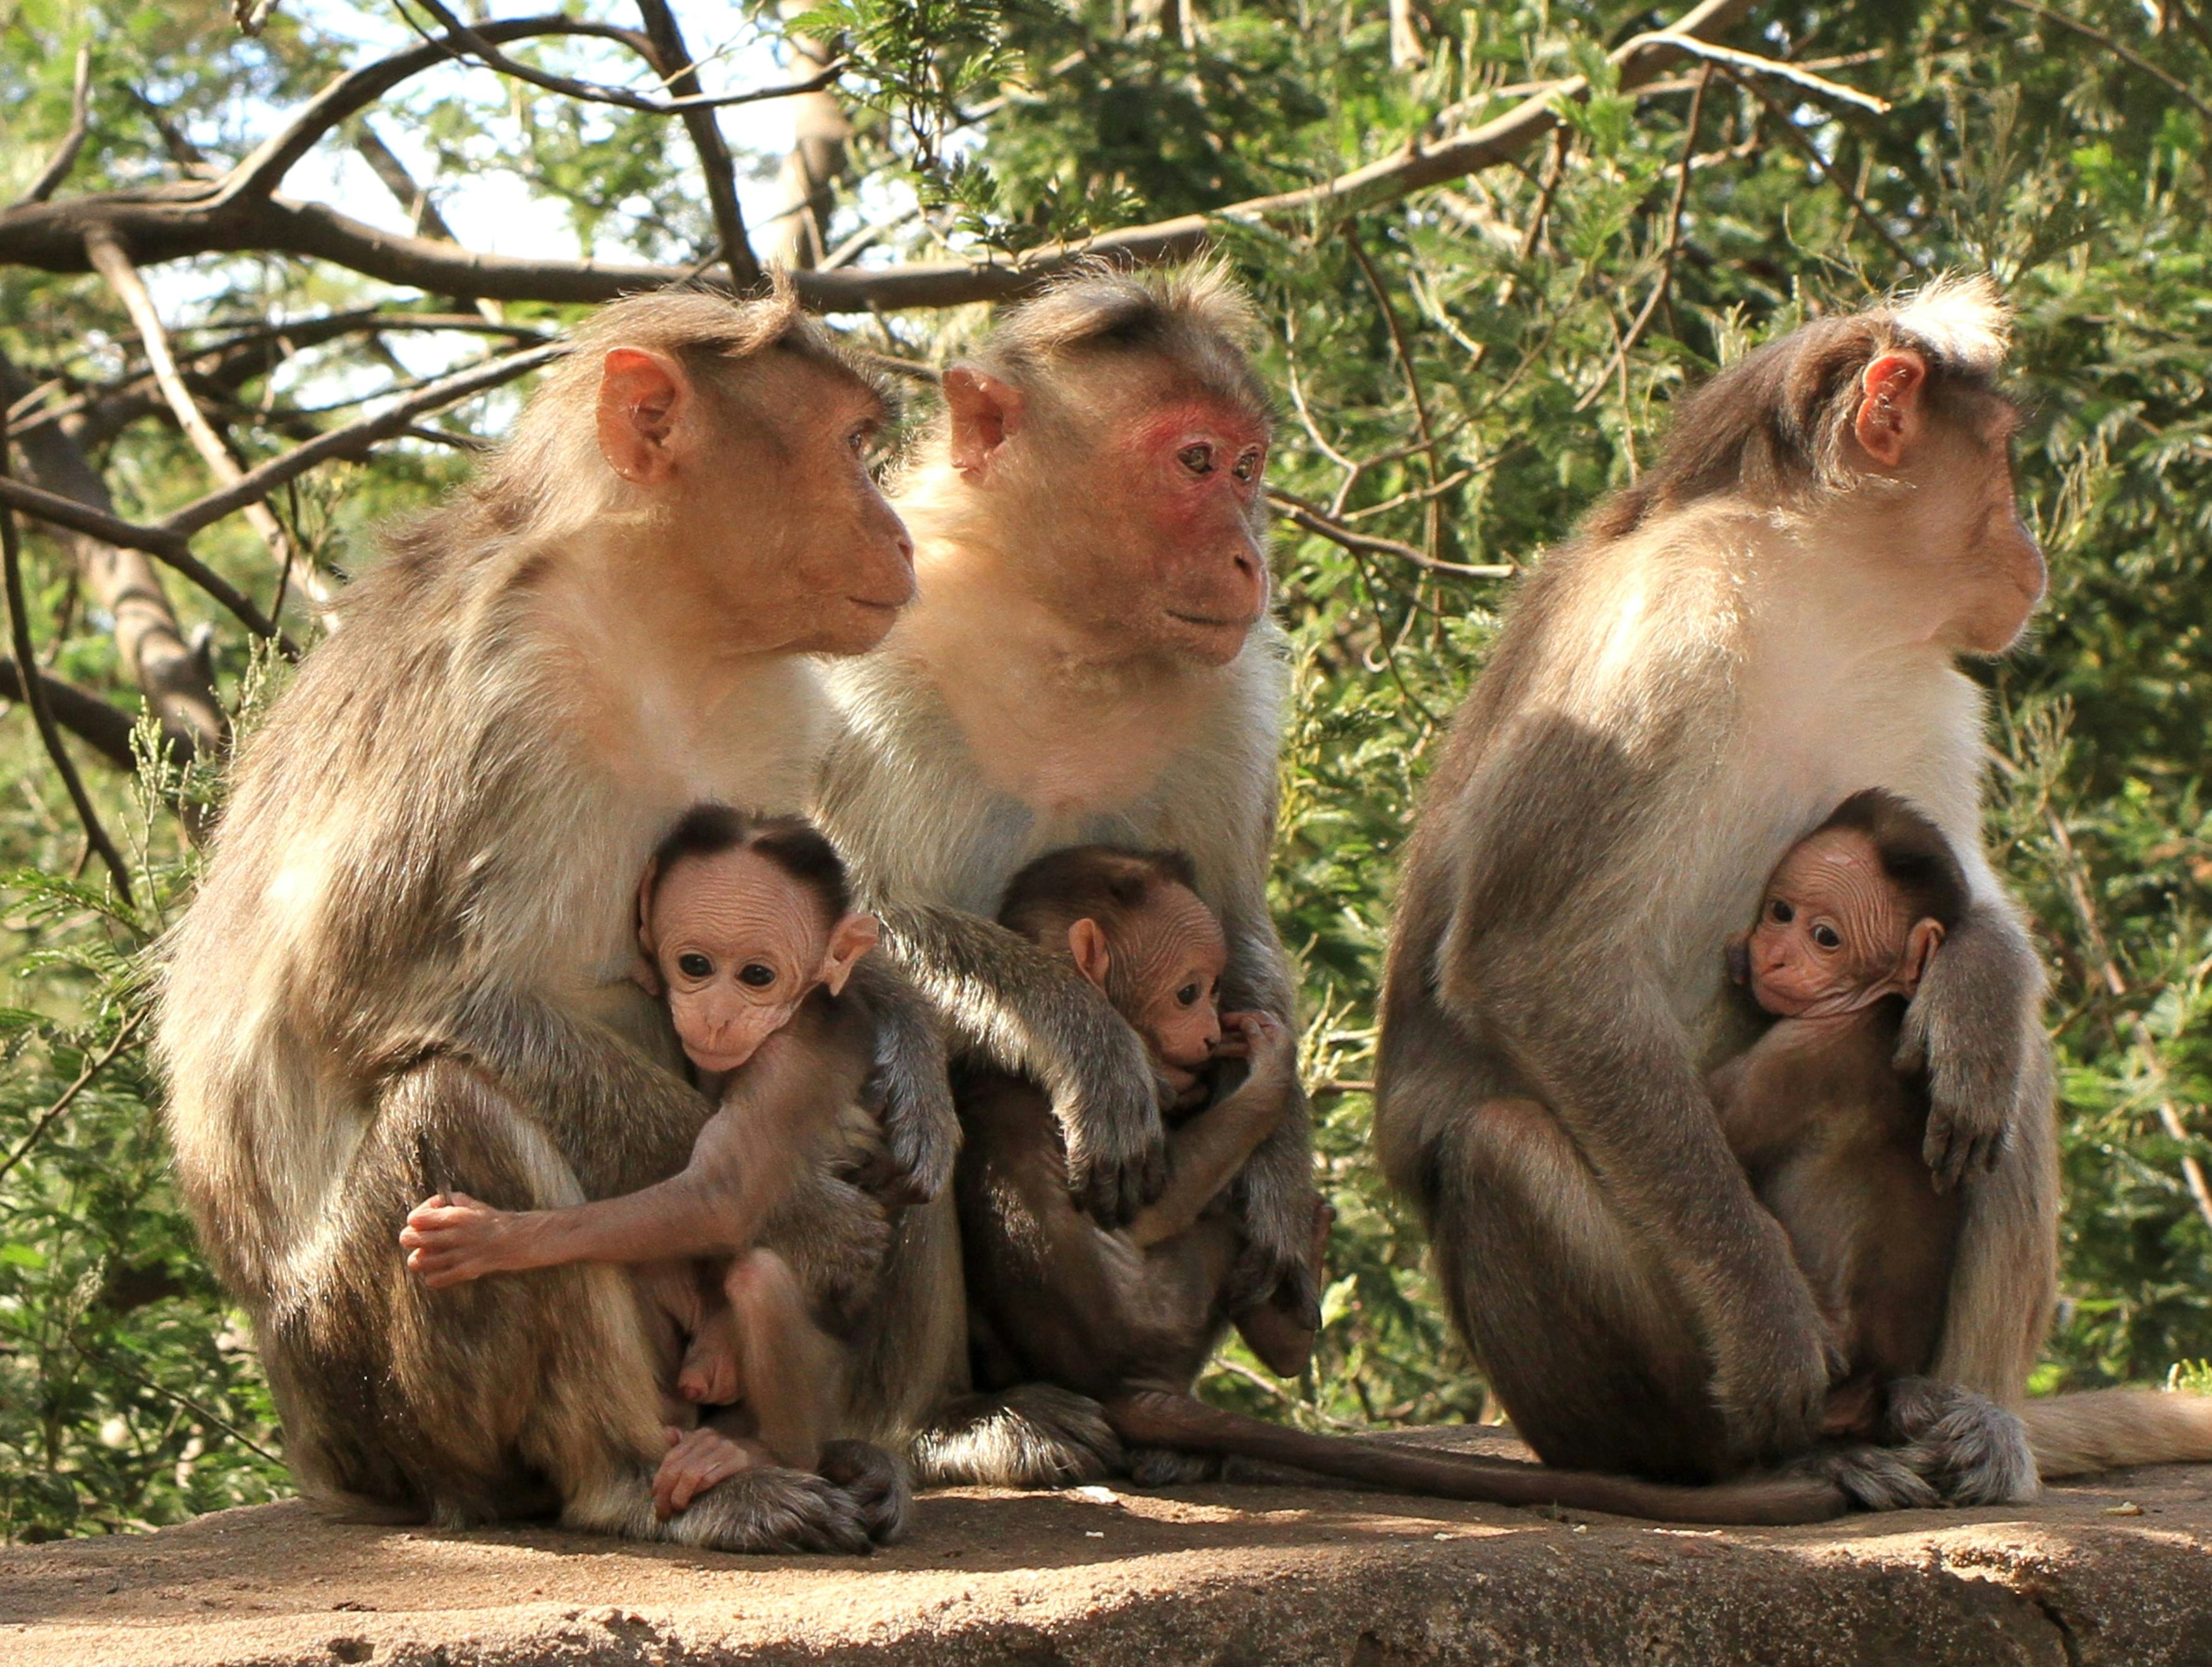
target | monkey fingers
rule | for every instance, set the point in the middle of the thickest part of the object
(909, 1091)
(695, 1460)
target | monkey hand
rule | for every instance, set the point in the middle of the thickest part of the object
(1967, 1036)
(695, 1460)
(1778, 1355)
(451, 1238)
(1107, 1100)
(1265, 1040)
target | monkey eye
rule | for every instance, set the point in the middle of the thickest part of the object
(1826, 937)
(1247, 465)
(695, 966)
(1780, 913)
(857, 442)
(1197, 458)
(1188, 996)
(756, 975)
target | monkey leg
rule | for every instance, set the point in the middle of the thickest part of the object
(1588, 1346)
(515, 1396)
(791, 1366)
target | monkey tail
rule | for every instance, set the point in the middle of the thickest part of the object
(1158, 1418)
(2114, 1429)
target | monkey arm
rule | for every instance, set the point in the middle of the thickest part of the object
(920, 1127)
(1031, 1015)
(1277, 1196)
(1975, 1024)
(1205, 1154)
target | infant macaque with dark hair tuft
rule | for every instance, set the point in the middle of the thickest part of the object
(1826, 1122)
(745, 925)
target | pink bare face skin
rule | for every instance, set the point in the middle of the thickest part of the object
(1961, 528)
(737, 944)
(1173, 960)
(1159, 519)
(1834, 936)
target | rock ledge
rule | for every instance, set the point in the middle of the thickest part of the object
(2119, 1571)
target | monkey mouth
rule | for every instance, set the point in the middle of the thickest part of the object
(1242, 622)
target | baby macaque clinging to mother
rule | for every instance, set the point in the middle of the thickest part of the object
(1061, 1304)
(744, 924)
(1829, 1125)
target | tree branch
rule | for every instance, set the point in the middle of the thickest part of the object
(680, 74)
(2180, 88)
(354, 439)
(166, 546)
(115, 265)
(175, 220)
(173, 679)
(64, 157)
(92, 1068)
(105, 729)
(34, 692)
(478, 41)
(1314, 519)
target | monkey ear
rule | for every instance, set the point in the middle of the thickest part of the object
(1087, 944)
(850, 939)
(1889, 420)
(642, 397)
(1920, 946)
(986, 414)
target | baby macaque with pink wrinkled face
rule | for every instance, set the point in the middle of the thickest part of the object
(1826, 1116)
(743, 925)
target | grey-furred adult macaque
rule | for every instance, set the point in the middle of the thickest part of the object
(744, 927)
(1129, 1315)
(408, 970)
(1090, 662)
(1764, 624)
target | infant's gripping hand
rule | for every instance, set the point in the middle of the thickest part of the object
(451, 1238)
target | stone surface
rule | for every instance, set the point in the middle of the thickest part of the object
(2118, 1571)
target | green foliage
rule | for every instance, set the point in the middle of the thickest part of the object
(1457, 384)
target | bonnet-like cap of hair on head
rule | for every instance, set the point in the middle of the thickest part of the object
(1962, 320)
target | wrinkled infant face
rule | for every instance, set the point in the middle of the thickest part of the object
(1832, 928)
(738, 944)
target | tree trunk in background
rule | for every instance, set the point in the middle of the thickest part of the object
(171, 675)
(817, 160)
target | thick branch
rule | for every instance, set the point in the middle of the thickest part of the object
(171, 222)
(105, 729)
(64, 157)
(165, 546)
(1314, 519)
(681, 76)
(173, 679)
(34, 696)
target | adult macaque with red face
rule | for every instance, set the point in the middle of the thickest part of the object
(408, 969)
(1090, 662)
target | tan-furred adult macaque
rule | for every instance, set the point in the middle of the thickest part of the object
(1830, 1131)
(1090, 661)
(743, 925)
(1128, 1317)
(408, 968)
(1766, 622)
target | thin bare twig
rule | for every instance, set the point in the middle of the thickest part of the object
(355, 437)
(1751, 64)
(1316, 520)
(481, 48)
(1433, 518)
(92, 1068)
(114, 265)
(19, 624)
(1666, 259)
(1811, 152)
(65, 153)
(169, 548)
